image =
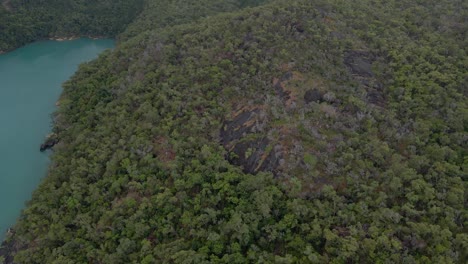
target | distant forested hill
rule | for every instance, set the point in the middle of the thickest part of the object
(294, 131)
(23, 21)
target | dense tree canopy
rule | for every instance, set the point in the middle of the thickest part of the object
(23, 21)
(299, 131)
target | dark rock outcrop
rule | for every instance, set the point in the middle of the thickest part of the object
(254, 156)
(375, 94)
(359, 63)
(49, 142)
(247, 148)
(313, 95)
(287, 76)
(280, 86)
(280, 90)
(7, 248)
(239, 126)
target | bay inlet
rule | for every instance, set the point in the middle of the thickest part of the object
(30, 85)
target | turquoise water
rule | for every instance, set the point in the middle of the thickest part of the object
(30, 84)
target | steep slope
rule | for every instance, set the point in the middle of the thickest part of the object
(293, 132)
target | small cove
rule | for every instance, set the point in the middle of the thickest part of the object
(30, 84)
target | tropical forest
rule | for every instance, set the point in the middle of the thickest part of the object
(252, 131)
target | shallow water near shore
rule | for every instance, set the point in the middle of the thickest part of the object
(30, 84)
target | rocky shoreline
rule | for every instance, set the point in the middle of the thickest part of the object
(64, 38)
(50, 141)
(57, 38)
(7, 247)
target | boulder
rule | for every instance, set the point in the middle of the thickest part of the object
(50, 141)
(313, 95)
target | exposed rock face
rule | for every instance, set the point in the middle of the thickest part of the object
(283, 89)
(252, 139)
(7, 248)
(254, 156)
(49, 142)
(287, 76)
(359, 63)
(313, 95)
(253, 152)
(375, 94)
(280, 90)
(239, 126)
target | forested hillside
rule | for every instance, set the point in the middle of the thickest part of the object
(23, 21)
(294, 131)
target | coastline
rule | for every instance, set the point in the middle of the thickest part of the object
(57, 38)
(74, 37)
(7, 246)
(63, 38)
(5, 234)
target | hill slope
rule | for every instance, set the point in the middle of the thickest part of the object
(292, 132)
(22, 22)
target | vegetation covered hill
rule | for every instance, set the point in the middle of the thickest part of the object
(23, 21)
(291, 132)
